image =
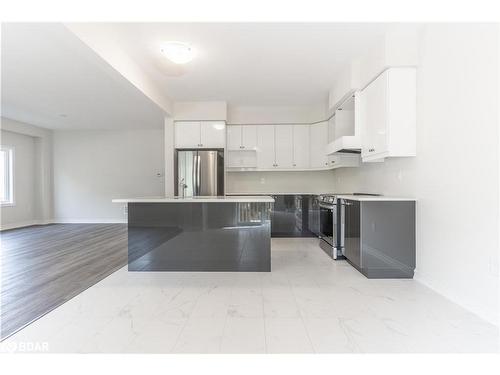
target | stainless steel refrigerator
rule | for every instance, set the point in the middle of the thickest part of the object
(199, 172)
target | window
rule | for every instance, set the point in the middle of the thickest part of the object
(6, 175)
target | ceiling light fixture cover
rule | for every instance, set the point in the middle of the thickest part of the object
(177, 52)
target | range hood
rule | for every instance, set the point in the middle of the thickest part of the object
(349, 144)
(347, 127)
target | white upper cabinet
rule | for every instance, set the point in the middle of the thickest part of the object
(283, 143)
(187, 134)
(301, 147)
(200, 134)
(318, 142)
(249, 137)
(266, 157)
(242, 137)
(212, 134)
(388, 115)
(234, 137)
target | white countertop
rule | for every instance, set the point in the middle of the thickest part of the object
(356, 197)
(269, 193)
(373, 198)
(232, 199)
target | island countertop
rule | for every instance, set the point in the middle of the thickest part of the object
(199, 199)
(374, 198)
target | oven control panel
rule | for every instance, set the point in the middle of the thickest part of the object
(330, 199)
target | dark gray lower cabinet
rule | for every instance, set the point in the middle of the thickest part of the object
(380, 237)
(290, 216)
(352, 232)
(313, 215)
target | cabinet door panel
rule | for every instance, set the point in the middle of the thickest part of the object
(213, 134)
(352, 232)
(234, 137)
(187, 134)
(265, 147)
(318, 142)
(374, 117)
(249, 137)
(301, 146)
(283, 142)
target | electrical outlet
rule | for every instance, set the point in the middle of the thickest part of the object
(125, 209)
(494, 267)
(262, 180)
(400, 175)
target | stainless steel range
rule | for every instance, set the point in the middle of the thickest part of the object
(331, 232)
(332, 224)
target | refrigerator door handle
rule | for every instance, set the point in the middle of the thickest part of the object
(198, 174)
(195, 177)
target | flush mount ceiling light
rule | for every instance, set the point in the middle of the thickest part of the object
(177, 52)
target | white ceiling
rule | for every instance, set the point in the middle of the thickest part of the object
(51, 79)
(246, 63)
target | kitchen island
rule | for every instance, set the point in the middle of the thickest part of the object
(229, 233)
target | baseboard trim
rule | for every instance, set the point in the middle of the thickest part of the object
(23, 224)
(441, 290)
(89, 221)
(30, 223)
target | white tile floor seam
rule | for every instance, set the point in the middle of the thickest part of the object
(303, 322)
(308, 303)
(178, 336)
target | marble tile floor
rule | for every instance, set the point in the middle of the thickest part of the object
(307, 304)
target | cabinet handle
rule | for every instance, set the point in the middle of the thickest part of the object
(333, 161)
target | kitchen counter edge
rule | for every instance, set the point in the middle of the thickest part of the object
(225, 199)
(375, 198)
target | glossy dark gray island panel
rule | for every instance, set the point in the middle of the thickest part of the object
(199, 236)
(380, 238)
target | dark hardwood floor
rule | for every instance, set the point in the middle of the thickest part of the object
(45, 266)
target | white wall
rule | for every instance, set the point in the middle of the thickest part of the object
(23, 212)
(280, 182)
(168, 133)
(93, 167)
(455, 173)
(211, 110)
(276, 114)
(35, 143)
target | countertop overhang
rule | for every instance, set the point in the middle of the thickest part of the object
(200, 199)
(374, 198)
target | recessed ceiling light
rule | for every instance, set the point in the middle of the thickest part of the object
(177, 52)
